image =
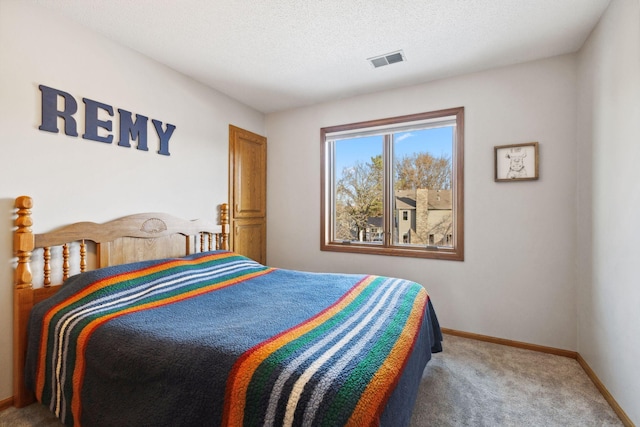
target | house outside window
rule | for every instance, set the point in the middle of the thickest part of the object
(395, 186)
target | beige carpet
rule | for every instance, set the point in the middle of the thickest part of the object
(473, 383)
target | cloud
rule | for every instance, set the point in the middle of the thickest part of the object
(403, 136)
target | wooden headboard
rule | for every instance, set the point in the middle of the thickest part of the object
(132, 238)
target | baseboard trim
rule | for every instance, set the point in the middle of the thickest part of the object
(605, 393)
(511, 343)
(6, 403)
(559, 352)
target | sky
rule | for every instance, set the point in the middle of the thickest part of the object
(437, 141)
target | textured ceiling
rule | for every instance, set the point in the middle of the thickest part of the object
(280, 54)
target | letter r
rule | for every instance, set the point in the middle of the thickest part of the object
(50, 112)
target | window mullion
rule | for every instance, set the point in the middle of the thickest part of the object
(330, 172)
(388, 190)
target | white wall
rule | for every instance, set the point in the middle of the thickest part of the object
(522, 239)
(609, 202)
(518, 278)
(73, 179)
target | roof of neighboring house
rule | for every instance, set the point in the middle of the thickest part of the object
(375, 221)
(405, 199)
(440, 200)
(437, 199)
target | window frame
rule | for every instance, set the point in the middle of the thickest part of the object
(454, 253)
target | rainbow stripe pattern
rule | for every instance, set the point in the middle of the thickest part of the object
(69, 325)
(338, 368)
(218, 339)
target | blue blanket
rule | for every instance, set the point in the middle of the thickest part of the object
(217, 339)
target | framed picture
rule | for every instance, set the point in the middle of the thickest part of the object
(517, 162)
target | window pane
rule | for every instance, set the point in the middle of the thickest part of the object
(358, 190)
(422, 194)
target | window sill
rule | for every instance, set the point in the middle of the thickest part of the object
(442, 253)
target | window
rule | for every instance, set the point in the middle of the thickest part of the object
(395, 186)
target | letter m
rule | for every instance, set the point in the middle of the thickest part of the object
(136, 130)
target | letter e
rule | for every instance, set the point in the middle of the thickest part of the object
(92, 122)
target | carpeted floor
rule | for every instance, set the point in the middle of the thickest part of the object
(472, 383)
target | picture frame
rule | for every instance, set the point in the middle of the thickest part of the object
(516, 162)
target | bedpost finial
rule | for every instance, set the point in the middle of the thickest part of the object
(224, 220)
(23, 242)
(24, 202)
(224, 213)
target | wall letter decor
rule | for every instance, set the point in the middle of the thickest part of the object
(137, 130)
(164, 136)
(92, 123)
(129, 129)
(50, 112)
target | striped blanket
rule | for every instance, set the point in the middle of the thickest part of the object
(217, 339)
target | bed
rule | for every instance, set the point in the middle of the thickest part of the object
(162, 325)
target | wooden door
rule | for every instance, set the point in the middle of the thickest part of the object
(248, 193)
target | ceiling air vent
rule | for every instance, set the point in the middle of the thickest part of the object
(386, 59)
